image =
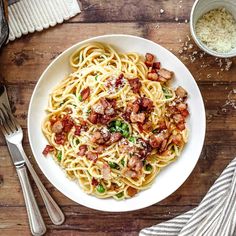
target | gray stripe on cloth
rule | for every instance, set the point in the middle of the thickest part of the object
(187, 223)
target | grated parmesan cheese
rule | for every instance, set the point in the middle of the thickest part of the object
(217, 29)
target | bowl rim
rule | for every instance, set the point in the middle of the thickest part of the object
(141, 206)
(199, 43)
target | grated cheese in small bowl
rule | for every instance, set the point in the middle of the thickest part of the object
(217, 30)
(213, 27)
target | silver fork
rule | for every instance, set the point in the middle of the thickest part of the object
(14, 135)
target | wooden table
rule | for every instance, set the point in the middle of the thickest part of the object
(23, 61)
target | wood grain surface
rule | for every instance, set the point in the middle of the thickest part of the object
(23, 61)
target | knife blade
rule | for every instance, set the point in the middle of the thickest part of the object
(16, 156)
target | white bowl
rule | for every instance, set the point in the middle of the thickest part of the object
(170, 178)
(200, 7)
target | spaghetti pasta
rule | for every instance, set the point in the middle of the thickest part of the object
(114, 122)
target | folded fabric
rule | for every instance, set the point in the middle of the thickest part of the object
(28, 16)
(215, 215)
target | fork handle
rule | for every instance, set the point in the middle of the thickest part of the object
(55, 213)
(36, 222)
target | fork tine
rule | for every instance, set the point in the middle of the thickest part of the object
(4, 122)
(12, 118)
(8, 123)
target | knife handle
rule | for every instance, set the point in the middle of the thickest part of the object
(36, 222)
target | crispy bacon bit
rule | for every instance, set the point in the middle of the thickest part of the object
(67, 123)
(156, 65)
(93, 117)
(177, 139)
(60, 138)
(85, 93)
(135, 163)
(77, 129)
(48, 149)
(119, 80)
(99, 149)
(163, 146)
(53, 120)
(115, 137)
(100, 137)
(94, 182)
(181, 126)
(131, 191)
(99, 108)
(178, 118)
(145, 150)
(103, 111)
(181, 92)
(92, 156)
(135, 85)
(146, 104)
(162, 125)
(149, 59)
(82, 150)
(136, 107)
(140, 117)
(185, 113)
(147, 126)
(57, 127)
(152, 76)
(165, 74)
(155, 141)
(106, 170)
(82, 121)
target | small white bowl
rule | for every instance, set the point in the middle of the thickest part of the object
(201, 7)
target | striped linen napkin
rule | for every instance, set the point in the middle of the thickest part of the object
(215, 215)
(28, 16)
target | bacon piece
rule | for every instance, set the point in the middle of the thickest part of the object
(162, 125)
(114, 138)
(106, 170)
(94, 182)
(77, 129)
(155, 141)
(135, 163)
(163, 146)
(85, 93)
(93, 117)
(92, 156)
(147, 126)
(100, 137)
(135, 85)
(57, 127)
(67, 123)
(185, 113)
(136, 108)
(178, 118)
(48, 149)
(99, 108)
(82, 150)
(177, 139)
(60, 138)
(165, 74)
(181, 126)
(131, 191)
(149, 59)
(119, 80)
(82, 121)
(153, 76)
(181, 92)
(99, 149)
(140, 117)
(147, 104)
(156, 65)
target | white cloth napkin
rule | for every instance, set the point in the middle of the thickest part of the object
(28, 16)
(215, 215)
